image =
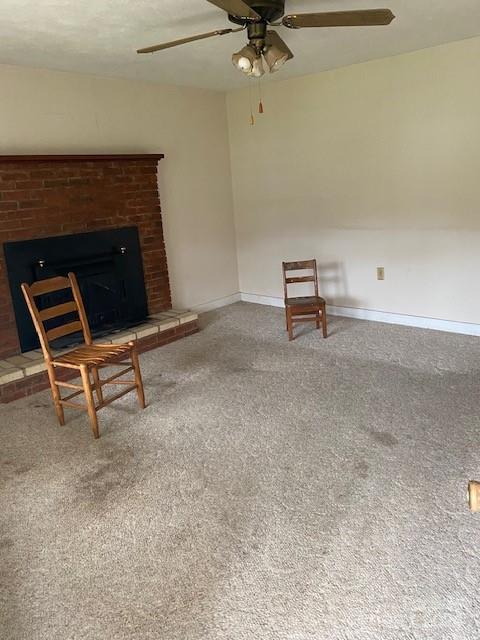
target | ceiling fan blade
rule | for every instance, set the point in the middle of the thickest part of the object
(176, 43)
(274, 39)
(236, 8)
(362, 18)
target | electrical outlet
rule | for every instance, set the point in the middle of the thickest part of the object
(380, 273)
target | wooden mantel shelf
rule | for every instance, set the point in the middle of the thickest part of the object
(83, 158)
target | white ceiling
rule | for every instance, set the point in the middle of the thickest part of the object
(100, 37)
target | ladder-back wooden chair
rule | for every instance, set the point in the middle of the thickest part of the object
(87, 359)
(305, 308)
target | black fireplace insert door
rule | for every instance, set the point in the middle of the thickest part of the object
(109, 269)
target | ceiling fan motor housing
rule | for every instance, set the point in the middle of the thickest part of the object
(270, 10)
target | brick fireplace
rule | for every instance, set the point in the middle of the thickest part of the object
(44, 196)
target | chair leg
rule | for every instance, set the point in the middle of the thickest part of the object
(89, 398)
(317, 319)
(286, 318)
(290, 324)
(98, 386)
(56, 395)
(138, 378)
(324, 322)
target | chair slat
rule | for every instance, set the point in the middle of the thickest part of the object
(58, 310)
(300, 279)
(300, 264)
(64, 330)
(97, 355)
(48, 286)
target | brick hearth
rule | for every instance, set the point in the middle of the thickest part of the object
(43, 196)
(25, 375)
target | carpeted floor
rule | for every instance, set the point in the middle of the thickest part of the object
(313, 490)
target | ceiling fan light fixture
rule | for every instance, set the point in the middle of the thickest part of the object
(244, 59)
(274, 57)
(257, 67)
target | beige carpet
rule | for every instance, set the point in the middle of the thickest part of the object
(271, 490)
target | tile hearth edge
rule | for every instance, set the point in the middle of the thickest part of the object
(160, 328)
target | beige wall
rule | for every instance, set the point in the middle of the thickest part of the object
(51, 112)
(372, 165)
(377, 164)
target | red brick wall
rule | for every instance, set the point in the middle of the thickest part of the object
(42, 198)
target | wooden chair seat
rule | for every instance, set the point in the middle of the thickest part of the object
(93, 354)
(87, 360)
(303, 308)
(304, 301)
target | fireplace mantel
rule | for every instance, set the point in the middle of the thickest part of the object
(82, 158)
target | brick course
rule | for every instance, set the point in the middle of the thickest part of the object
(42, 198)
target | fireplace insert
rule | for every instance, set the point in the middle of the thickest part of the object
(109, 269)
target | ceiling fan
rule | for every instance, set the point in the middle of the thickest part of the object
(256, 15)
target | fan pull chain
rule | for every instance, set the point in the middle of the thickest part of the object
(260, 103)
(252, 117)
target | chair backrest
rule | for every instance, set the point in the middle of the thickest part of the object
(301, 265)
(43, 316)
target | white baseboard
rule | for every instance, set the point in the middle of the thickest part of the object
(216, 304)
(270, 301)
(436, 324)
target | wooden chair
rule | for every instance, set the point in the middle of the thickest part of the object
(86, 359)
(306, 308)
